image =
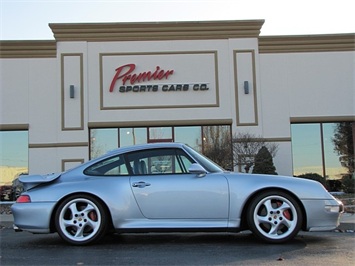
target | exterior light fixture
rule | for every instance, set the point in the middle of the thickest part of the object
(246, 87)
(71, 91)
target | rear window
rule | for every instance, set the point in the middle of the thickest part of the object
(109, 167)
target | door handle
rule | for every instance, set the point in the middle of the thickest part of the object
(140, 184)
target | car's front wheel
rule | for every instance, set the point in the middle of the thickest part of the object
(274, 216)
(81, 220)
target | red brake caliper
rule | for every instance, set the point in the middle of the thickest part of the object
(93, 216)
(286, 213)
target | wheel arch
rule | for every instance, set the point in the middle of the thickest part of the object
(244, 223)
(52, 219)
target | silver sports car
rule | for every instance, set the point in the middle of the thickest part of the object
(169, 187)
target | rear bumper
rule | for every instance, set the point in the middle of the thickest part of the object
(32, 217)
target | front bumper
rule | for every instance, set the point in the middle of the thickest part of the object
(323, 215)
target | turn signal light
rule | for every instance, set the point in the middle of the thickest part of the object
(23, 199)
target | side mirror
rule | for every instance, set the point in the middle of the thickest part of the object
(197, 169)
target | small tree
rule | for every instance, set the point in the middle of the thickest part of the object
(218, 145)
(264, 163)
(245, 148)
(343, 141)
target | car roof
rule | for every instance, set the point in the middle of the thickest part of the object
(145, 146)
(126, 149)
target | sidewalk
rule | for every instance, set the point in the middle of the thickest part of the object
(347, 222)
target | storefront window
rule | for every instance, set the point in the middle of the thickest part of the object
(333, 167)
(158, 134)
(132, 136)
(13, 160)
(323, 148)
(217, 145)
(102, 140)
(306, 149)
(189, 135)
(215, 139)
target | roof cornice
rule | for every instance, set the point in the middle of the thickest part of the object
(307, 43)
(28, 49)
(156, 31)
(153, 31)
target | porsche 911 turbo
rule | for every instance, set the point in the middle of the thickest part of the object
(169, 187)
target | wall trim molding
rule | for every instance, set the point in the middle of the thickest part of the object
(13, 127)
(206, 122)
(28, 49)
(153, 31)
(325, 119)
(58, 145)
(307, 43)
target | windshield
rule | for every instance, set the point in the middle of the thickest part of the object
(204, 161)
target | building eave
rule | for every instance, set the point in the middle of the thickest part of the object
(307, 43)
(155, 31)
(28, 49)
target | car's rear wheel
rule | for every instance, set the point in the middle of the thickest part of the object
(81, 220)
(274, 216)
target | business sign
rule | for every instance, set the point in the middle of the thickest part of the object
(162, 80)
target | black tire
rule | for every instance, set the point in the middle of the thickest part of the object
(81, 220)
(274, 216)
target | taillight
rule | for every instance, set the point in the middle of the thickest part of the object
(23, 199)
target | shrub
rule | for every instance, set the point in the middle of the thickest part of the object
(348, 184)
(315, 177)
(264, 163)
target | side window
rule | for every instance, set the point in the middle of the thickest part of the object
(162, 164)
(159, 161)
(109, 167)
(183, 163)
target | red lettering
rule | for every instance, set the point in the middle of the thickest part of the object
(155, 74)
(118, 76)
(161, 74)
(125, 73)
(168, 73)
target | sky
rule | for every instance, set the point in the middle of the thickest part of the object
(29, 19)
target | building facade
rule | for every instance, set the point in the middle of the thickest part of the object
(100, 86)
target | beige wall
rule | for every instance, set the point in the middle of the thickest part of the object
(291, 78)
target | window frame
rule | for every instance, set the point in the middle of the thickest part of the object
(101, 162)
(176, 159)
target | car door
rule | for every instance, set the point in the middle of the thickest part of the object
(164, 189)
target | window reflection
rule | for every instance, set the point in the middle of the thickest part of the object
(190, 136)
(306, 149)
(217, 145)
(314, 149)
(156, 134)
(105, 139)
(13, 160)
(102, 140)
(132, 136)
(333, 167)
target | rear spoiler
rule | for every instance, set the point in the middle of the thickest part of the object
(30, 181)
